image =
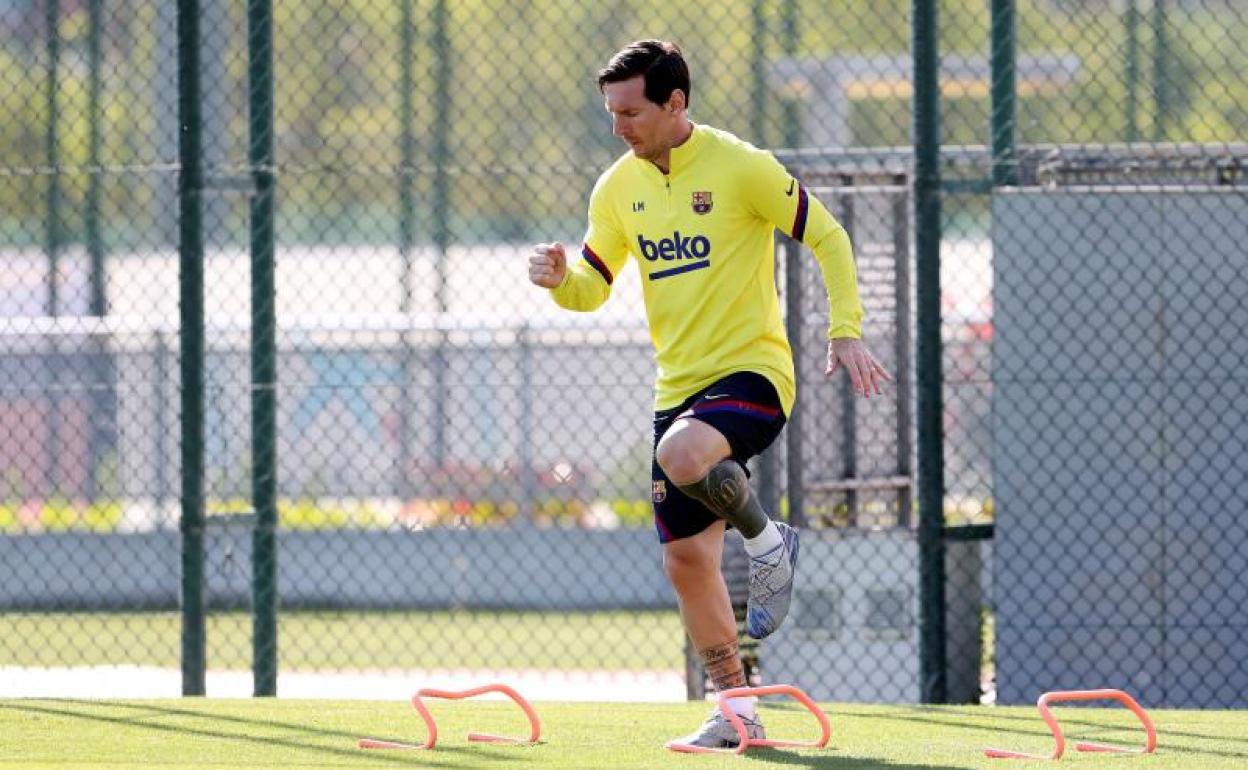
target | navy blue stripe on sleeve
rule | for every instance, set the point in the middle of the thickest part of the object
(596, 263)
(799, 220)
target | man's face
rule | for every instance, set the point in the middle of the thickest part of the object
(644, 125)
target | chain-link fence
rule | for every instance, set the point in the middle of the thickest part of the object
(1099, 335)
(453, 473)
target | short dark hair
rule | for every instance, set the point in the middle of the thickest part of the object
(658, 61)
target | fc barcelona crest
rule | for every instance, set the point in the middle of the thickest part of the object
(701, 202)
(660, 491)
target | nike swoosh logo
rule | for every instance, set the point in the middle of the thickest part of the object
(789, 192)
(712, 398)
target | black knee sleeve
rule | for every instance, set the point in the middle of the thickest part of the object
(725, 489)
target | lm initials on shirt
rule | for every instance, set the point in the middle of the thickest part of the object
(676, 247)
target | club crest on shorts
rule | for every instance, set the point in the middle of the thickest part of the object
(702, 202)
(660, 491)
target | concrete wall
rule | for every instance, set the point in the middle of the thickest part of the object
(1120, 377)
(546, 569)
(853, 630)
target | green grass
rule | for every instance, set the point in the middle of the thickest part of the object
(197, 733)
(357, 640)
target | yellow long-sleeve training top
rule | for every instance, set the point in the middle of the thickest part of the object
(702, 236)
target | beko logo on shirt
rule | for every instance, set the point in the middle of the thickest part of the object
(676, 247)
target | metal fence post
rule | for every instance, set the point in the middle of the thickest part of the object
(930, 401)
(441, 216)
(758, 74)
(1161, 57)
(792, 124)
(1004, 94)
(191, 337)
(102, 414)
(794, 478)
(95, 245)
(903, 348)
(52, 150)
(531, 508)
(407, 237)
(791, 137)
(845, 386)
(1133, 69)
(263, 348)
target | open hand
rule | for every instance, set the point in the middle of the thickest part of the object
(866, 373)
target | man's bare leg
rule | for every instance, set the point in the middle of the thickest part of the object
(686, 453)
(696, 458)
(693, 566)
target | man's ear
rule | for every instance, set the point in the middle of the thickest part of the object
(676, 101)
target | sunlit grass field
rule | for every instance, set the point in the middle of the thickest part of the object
(611, 641)
(262, 733)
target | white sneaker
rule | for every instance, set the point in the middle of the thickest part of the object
(771, 585)
(718, 733)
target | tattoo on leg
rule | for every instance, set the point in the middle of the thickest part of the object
(726, 491)
(725, 486)
(723, 664)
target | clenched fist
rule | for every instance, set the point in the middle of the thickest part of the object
(548, 263)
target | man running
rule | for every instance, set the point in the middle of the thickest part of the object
(697, 208)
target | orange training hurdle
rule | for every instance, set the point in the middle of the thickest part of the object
(535, 726)
(1150, 732)
(745, 743)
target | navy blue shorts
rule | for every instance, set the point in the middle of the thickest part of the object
(745, 408)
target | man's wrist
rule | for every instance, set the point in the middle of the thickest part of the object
(844, 328)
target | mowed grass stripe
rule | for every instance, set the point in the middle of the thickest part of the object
(613, 641)
(261, 733)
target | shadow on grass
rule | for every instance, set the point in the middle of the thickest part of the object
(1067, 715)
(944, 717)
(81, 709)
(828, 760)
